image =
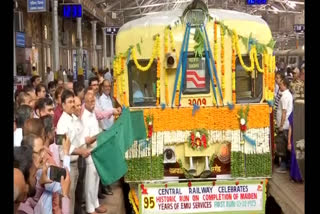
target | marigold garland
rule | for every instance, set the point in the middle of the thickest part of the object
(172, 43)
(156, 46)
(240, 56)
(255, 54)
(222, 62)
(265, 61)
(135, 198)
(215, 53)
(158, 70)
(136, 210)
(169, 119)
(166, 40)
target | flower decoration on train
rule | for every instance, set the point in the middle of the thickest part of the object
(198, 139)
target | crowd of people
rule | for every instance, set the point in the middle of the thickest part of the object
(289, 88)
(45, 111)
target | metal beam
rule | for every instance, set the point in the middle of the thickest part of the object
(111, 6)
(154, 5)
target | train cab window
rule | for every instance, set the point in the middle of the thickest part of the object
(197, 79)
(142, 84)
(249, 85)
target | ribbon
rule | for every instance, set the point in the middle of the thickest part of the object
(249, 140)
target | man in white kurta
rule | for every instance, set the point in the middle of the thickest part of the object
(68, 125)
(91, 129)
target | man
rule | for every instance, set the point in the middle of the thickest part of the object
(302, 73)
(34, 71)
(108, 76)
(67, 126)
(51, 89)
(279, 77)
(107, 102)
(50, 75)
(58, 110)
(31, 91)
(60, 73)
(80, 194)
(35, 80)
(297, 85)
(283, 112)
(40, 201)
(24, 173)
(60, 83)
(70, 74)
(100, 114)
(79, 90)
(24, 99)
(44, 106)
(69, 86)
(23, 113)
(41, 91)
(91, 128)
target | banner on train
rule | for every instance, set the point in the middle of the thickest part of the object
(203, 197)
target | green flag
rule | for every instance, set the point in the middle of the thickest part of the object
(109, 155)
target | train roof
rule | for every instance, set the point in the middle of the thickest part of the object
(170, 17)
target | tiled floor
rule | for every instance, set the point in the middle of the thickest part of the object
(289, 195)
(115, 202)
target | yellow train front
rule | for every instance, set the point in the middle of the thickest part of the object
(205, 135)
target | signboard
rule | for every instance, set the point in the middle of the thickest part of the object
(111, 30)
(37, 6)
(196, 81)
(20, 39)
(203, 197)
(255, 2)
(71, 11)
(298, 28)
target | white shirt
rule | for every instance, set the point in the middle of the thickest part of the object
(50, 77)
(72, 126)
(91, 128)
(285, 103)
(105, 103)
(17, 137)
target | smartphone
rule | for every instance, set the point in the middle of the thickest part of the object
(59, 138)
(56, 173)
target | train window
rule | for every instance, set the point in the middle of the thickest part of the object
(142, 84)
(197, 80)
(248, 84)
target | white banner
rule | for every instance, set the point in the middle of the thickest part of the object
(200, 197)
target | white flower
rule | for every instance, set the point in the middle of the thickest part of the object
(242, 121)
(150, 123)
(197, 135)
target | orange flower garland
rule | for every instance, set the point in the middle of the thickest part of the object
(233, 80)
(170, 119)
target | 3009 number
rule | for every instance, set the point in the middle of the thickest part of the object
(199, 101)
(148, 202)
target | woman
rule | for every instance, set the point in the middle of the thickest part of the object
(294, 168)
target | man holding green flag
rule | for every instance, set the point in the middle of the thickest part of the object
(109, 155)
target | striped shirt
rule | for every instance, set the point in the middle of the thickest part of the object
(276, 104)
